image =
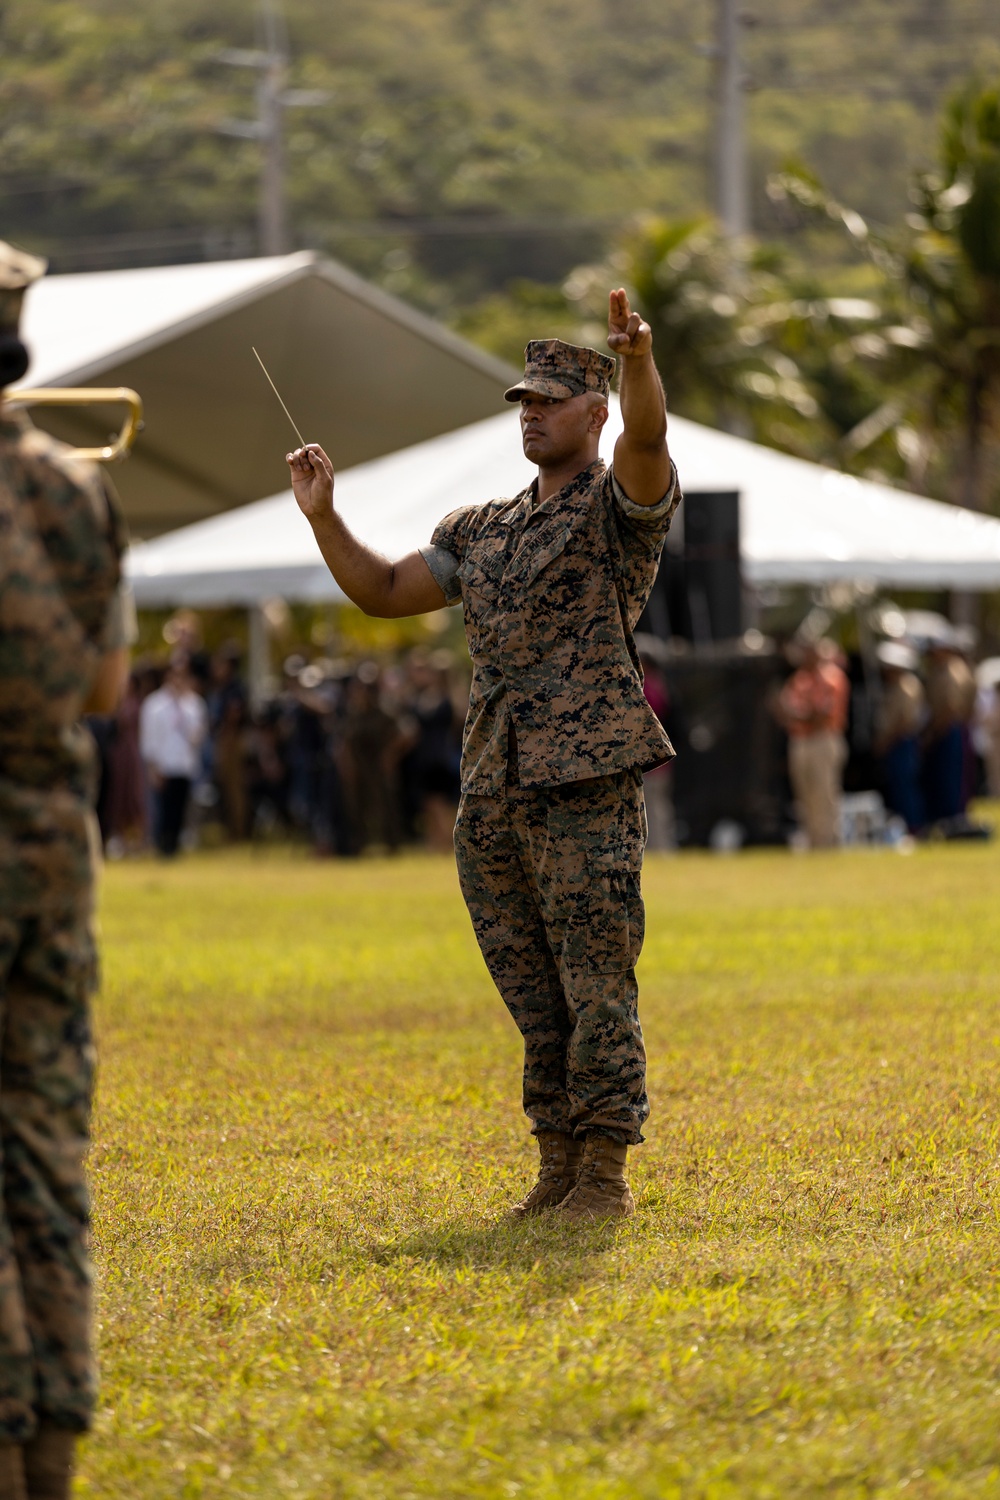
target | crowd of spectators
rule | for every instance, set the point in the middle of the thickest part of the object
(932, 724)
(934, 734)
(348, 755)
(353, 755)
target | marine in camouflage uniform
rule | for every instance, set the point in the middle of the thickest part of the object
(61, 540)
(551, 826)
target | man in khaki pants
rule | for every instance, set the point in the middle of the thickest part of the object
(813, 709)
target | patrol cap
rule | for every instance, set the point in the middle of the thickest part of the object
(18, 270)
(552, 368)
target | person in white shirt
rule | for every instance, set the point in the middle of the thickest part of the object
(173, 723)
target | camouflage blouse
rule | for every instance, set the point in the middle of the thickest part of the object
(551, 594)
(61, 541)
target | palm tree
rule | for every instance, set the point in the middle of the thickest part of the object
(717, 365)
(937, 346)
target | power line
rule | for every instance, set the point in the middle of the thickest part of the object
(923, 93)
(901, 20)
(484, 225)
(235, 243)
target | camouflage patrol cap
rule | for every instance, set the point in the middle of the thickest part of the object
(552, 368)
(18, 270)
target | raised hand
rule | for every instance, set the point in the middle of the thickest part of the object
(628, 335)
(312, 481)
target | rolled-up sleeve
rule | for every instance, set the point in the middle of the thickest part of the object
(443, 567)
(653, 519)
(446, 551)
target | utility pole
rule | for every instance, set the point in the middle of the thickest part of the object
(731, 196)
(272, 206)
(271, 64)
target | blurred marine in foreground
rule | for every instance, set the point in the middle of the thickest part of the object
(62, 653)
(551, 824)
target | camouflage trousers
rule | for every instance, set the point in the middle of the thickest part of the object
(551, 880)
(47, 973)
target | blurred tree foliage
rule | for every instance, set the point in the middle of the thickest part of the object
(574, 135)
(886, 364)
(769, 348)
(437, 109)
(934, 350)
(524, 112)
(503, 322)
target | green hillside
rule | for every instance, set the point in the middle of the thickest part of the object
(470, 154)
(504, 137)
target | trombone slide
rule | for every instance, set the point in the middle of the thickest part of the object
(89, 396)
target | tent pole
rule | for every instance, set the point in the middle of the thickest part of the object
(259, 656)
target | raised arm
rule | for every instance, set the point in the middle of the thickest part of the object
(375, 584)
(642, 462)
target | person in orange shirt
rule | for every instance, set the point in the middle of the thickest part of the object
(813, 709)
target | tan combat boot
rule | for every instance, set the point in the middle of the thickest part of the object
(560, 1162)
(12, 1486)
(48, 1463)
(601, 1191)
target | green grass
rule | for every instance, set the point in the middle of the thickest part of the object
(308, 1128)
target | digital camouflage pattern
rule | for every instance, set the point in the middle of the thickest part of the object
(552, 368)
(60, 562)
(47, 972)
(551, 594)
(551, 825)
(61, 540)
(551, 880)
(18, 269)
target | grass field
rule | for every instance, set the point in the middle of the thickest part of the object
(308, 1128)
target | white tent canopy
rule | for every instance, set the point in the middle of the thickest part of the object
(361, 372)
(800, 523)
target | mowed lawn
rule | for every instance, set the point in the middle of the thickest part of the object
(308, 1129)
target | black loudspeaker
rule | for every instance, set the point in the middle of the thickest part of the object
(730, 764)
(698, 594)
